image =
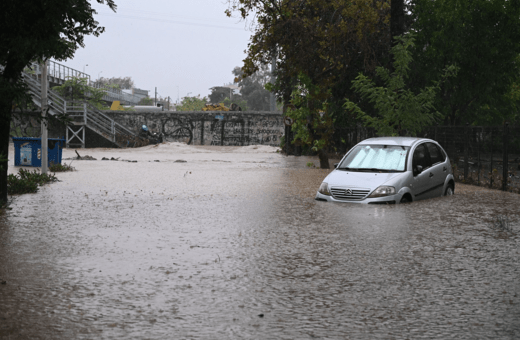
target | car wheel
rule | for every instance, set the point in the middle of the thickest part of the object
(449, 191)
(404, 199)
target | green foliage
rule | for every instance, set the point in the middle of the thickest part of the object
(26, 182)
(61, 167)
(238, 100)
(192, 104)
(77, 89)
(116, 82)
(399, 108)
(481, 37)
(37, 30)
(313, 125)
(253, 88)
(146, 101)
(328, 41)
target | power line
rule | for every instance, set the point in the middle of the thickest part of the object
(169, 21)
(162, 14)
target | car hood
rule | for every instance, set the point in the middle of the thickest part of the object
(367, 180)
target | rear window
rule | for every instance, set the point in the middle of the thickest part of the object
(376, 157)
(436, 154)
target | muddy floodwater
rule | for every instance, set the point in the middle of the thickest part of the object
(228, 243)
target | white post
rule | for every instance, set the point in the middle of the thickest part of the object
(44, 153)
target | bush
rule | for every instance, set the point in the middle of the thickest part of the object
(61, 168)
(27, 182)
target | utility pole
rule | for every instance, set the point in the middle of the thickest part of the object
(44, 138)
(273, 80)
(168, 103)
(155, 96)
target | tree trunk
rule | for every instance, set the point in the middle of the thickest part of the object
(5, 125)
(397, 26)
(324, 159)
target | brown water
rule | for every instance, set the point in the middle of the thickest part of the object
(231, 245)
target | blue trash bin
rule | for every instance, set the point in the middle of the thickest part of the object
(28, 150)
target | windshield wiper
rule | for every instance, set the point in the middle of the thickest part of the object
(375, 169)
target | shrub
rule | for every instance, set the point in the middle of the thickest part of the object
(61, 168)
(26, 182)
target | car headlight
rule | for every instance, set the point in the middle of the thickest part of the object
(383, 191)
(324, 189)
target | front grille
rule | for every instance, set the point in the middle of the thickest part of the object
(349, 194)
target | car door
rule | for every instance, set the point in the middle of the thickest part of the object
(421, 175)
(439, 169)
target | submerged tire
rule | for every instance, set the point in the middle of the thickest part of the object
(405, 199)
(449, 191)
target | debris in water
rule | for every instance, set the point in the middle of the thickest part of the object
(84, 158)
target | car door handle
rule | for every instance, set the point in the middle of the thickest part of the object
(431, 175)
(444, 169)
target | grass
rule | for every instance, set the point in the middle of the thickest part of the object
(61, 168)
(27, 182)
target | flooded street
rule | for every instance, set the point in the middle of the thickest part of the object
(194, 242)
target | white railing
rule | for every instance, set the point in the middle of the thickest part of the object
(80, 113)
(117, 94)
(59, 71)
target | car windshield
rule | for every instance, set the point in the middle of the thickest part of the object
(375, 158)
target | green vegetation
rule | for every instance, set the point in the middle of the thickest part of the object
(77, 89)
(27, 182)
(192, 104)
(354, 63)
(33, 30)
(61, 167)
(400, 109)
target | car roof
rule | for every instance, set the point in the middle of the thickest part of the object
(401, 141)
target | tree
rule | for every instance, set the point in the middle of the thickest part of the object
(400, 108)
(77, 89)
(219, 93)
(252, 88)
(313, 123)
(481, 37)
(192, 104)
(326, 42)
(123, 83)
(37, 30)
(146, 101)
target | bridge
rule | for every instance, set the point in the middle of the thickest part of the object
(81, 114)
(58, 74)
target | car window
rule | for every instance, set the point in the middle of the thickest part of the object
(420, 157)
(380, 157)
(436, 154)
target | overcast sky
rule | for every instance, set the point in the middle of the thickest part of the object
(178, 46)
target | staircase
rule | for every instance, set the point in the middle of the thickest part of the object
(81, 115)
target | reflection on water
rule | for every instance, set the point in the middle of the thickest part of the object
(232, 245)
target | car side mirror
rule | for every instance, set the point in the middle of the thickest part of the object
(336, 165)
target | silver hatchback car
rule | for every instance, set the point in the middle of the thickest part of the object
(389, 170)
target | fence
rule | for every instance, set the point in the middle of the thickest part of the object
(481, 155)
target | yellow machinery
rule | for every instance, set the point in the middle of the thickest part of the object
(215, 107)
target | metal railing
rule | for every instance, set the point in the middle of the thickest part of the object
(81, 114)
(482, 155)
(59, 72)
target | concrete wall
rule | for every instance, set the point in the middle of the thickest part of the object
(196, 127)
(205, 128)
(28, 125)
